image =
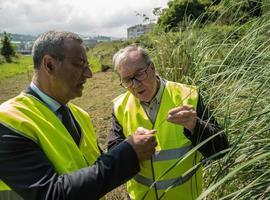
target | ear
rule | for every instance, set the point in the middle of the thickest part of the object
(49, 63)
(153, 67)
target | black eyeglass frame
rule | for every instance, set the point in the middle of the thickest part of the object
(131, 80)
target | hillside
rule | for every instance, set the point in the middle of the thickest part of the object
(20, 37)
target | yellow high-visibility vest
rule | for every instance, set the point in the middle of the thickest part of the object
(30, 117)
(172, 145)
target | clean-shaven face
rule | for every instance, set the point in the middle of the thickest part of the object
(133, 65)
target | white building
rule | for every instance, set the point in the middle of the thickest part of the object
(138, 30)
(23, 47)
(89, 42)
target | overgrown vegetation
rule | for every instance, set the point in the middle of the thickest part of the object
(101, 55)
(228, 60)
(180, 12)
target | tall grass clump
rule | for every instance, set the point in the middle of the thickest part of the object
(101, 55)
(231, 68)
(237, 84)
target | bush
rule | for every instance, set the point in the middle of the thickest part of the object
(7, 50)
(180, 11)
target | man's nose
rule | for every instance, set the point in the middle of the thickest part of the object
(88, 73)
(135, 82)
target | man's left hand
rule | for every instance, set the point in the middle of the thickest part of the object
(185, 116)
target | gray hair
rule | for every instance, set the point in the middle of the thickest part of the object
(52, 43)
(123, 53)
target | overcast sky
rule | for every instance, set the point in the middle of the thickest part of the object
(87, 17)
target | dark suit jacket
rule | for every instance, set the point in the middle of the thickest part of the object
(27, 170)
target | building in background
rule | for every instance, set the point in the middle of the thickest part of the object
(22, 43)
(89, 42)
(138, 30)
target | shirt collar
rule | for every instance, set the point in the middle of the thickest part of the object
(157, 98)
(51, 103)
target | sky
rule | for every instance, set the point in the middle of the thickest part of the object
(85, 17)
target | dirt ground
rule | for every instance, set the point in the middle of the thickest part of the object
(96, 100)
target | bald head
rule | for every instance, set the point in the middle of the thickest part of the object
(131, 55)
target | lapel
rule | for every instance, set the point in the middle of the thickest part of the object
(28, 90)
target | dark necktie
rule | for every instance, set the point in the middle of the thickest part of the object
(68, 123)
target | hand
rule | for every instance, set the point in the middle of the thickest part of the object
(185, 116)
(143, 142)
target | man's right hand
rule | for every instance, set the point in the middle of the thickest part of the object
(143, 142)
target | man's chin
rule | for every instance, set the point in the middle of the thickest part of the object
(77, 94)
(143, 98)
(80, 93)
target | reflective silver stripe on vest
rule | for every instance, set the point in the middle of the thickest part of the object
(164, 184)
(162, 155)
(170, 154)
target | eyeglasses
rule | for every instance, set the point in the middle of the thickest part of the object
(140, 76)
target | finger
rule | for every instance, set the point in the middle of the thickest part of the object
(181, 108)
(184, 113)
(187, 107)
(150, 132)
(179, 115)
(177, 121)
(183, 117)
(174, 110)
(141, 130)
(178, 118)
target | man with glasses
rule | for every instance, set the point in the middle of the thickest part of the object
(48, 147)
(177, 113)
